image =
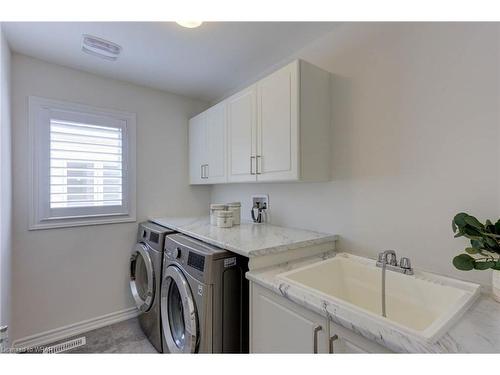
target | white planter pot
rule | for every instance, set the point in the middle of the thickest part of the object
(496, 284)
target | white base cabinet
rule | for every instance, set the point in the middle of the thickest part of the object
(342, 340)
(278, 325)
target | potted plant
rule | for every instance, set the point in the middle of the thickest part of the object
(484, 250)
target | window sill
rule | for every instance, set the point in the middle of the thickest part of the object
(80, 222)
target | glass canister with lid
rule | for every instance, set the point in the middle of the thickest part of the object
(214, 208)
(224, 219)
(236, 208)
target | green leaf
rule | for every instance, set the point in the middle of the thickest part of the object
(491, 242)
(471, 250)
(497, 266)
(470, 231)
(483, 265)
(484, 240)
(464, 262)
(473, 222)
(497, 227)
(459, 219)
(476, 244)
(489, 227)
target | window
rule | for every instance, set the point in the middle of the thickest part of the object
(82, 164)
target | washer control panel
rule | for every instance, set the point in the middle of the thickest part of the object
(196, 261)
(153, 235)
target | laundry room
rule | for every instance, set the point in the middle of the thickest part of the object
(323, 182)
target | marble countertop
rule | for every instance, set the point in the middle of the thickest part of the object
(477, 331)
(247, 239)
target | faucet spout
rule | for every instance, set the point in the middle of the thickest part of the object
(383, 259)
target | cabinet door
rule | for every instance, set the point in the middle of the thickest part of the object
(279, 326)
(343, 340)
(216, 144)
(277, 131)
(197, 149)
(242, 127)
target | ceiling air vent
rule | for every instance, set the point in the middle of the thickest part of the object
(101, 48)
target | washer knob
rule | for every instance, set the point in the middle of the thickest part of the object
(174, 253)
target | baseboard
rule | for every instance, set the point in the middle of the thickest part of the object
(74, 329)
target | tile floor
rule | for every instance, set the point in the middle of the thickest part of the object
(123, 337)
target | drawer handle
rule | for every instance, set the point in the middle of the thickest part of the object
(330, 343)
(315, 338)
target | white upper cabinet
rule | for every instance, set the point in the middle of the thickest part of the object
(197, 149)
(242, 139)
(277, 126)
(216, 144)
(278, 129)
(207, 146)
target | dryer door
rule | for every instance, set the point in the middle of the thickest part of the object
(178, 312)
(142, 283)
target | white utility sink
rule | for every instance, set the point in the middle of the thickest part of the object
(422, 304)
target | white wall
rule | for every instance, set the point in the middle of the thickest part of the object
(64, 276)
(415, 140)
(5, 182)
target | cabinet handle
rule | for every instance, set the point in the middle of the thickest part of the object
(315, 338)
(251, 164)
(201, 172)
(330, 343)
(204, 172)
(258, 170)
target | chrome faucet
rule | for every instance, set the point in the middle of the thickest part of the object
(388, 260)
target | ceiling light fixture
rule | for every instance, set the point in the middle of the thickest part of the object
(189, 24)
(100, 47)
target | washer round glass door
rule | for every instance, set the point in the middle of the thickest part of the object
(142, 277)
(178, 312)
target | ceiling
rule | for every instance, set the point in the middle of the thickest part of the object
(204, 63)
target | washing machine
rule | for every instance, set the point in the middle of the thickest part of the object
(204, 298)
(146, 264)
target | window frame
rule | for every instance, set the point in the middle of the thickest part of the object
(41, 216)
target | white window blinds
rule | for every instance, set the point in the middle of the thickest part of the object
(82, 164)
(85, 165)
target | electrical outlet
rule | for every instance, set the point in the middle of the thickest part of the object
(260, 208)
(262, 200)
